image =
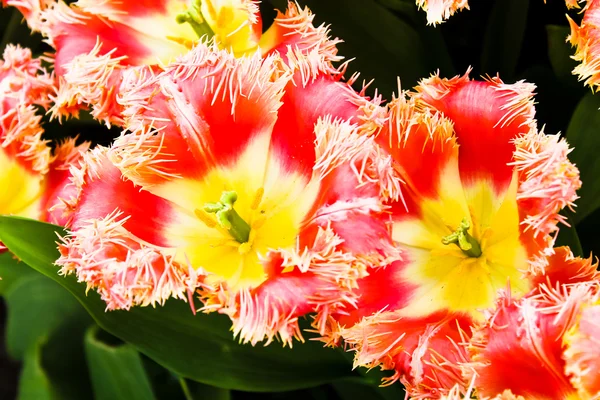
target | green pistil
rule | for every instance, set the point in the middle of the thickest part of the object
(228, 218)
(193, 16)
(464, 240)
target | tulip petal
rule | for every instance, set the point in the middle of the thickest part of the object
(58, 190)
(487, 116)
(293, 33)
(205, 93)
(549, 181)
(440, 10)
(424, 352)
(24, 155)
(520, 348)
(582, 355)
(586, 37)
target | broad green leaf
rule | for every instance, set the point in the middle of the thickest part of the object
(34, 383)
(40, 309)
(11, 271)
(504, 38)
(116, 371)
(583, 134)
(64, 359)
(199, 391)
(37, 306)
(198, 347)
(354, 390)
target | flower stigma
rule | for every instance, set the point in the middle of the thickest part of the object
(461, 237)
(228, 218)
(193, 16)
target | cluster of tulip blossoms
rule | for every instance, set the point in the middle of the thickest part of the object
(252, 180)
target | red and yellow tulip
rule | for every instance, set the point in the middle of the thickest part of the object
(32, 175)
(243, 180)
(544, 345)
(481, 195)
(440, 10)
(586, 37)
(97, 42)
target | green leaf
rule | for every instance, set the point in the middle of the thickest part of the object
(355, 390)
(582, 134)
(40, 309)
(116, 371)
(11, 271)
(504, 38)
(198, 347)
(37, 306)
(64, 359)
(34, 384)
(199, 391)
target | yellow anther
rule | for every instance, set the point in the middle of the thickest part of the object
(258, 222)
(225, 16)
(257, 199)
(211, 9)
(231, 243)
(252, 236)
(182, 41)
(205, 217)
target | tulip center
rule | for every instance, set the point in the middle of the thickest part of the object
(461, 237)
(193, 16)
(228, 218)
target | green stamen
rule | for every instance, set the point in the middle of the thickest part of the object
(228, 218)
(193, 16)
(464, 240)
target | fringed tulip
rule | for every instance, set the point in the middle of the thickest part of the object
(586, 37)
(98, 42)
(243, 180)
(482, 191)
(582, 353)
(573, 3)
(545, 345)
(440, 10)
(24, 156)
(32, 175)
